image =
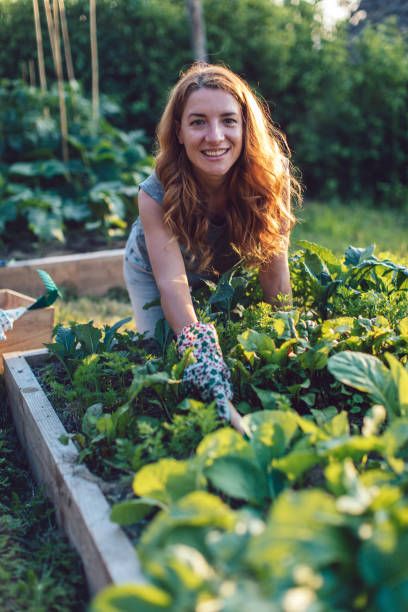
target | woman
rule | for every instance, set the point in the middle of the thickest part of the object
(220, 193)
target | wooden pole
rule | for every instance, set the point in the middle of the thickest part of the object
(67, 46)
(50, 26)
(40, 50)
(198, 35)
(94, 60)
(53, 30)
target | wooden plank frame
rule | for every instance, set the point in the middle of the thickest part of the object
(31, 331)
(82, 510)
(85, 273)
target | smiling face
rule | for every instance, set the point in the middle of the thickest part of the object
(211, 132)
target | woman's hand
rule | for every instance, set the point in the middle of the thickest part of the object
(208, 374)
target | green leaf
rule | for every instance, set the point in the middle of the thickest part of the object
(167, 480)
(400, 378)
(324, 253)
(353, 255)
(187, 521)
(89, 336)
(132, 597)
(365, 373)
(238, 478)
(403, 326)
(296, 462)
(51, 294)
(133, 510)
(253, 342)
(223, 442)
(302, 527)
(109, 333)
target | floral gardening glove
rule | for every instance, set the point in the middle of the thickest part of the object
(209, 373)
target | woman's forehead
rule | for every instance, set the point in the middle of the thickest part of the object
(211, 100)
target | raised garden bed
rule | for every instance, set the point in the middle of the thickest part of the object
(82, 510)
(85, 273)
(32, 330)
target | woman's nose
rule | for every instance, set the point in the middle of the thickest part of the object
(214, 132)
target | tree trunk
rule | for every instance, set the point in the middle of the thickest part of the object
(198, 35)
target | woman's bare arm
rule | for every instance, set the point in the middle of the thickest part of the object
(275, 280)
(167, 264)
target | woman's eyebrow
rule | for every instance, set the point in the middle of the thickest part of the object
(227, 114)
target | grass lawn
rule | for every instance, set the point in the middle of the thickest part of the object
(332, 225)
(337, 226)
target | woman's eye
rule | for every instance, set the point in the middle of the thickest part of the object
(197, 122)
(230, 121)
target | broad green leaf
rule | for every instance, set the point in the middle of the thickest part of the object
(403, 326)
(349, 446)
(23, 169)
(269, 399)
(89, 336)
(132, 598)
(256, 421)
(395, 436)
(338, 425)
(365, 373)
(353, 255)
(46, 225)
(110, 331)
(222, 442)
(167, 480)
(316, 357)
(302, 527)
(324, 253)
(187, 521)
(142, 380)
(296, 462)
(333, 328)
(90, 418)
(382, 558)
(132, 511)
(238, 478)
(254, 342)
(400, 378)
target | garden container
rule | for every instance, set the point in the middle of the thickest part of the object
(82, 510)
(31, 330)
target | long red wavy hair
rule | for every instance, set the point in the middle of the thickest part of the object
(260, 184)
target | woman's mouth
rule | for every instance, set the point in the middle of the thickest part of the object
(215, 153)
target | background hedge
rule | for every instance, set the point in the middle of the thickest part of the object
(342, 100)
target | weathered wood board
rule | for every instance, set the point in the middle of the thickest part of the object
(85, 273)
(82, 510)
(31, 331)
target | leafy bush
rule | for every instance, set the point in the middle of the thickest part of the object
(93, 191)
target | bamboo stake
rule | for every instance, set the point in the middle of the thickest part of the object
(94, 60)
(53, 30)
(67, 46)
(40, 50)
(50, 26)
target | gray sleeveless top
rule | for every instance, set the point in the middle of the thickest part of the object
(224, 256)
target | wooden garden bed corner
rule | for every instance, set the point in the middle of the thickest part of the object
(86, 273)
(82, 510)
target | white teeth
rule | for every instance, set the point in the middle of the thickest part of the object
(215, 153)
